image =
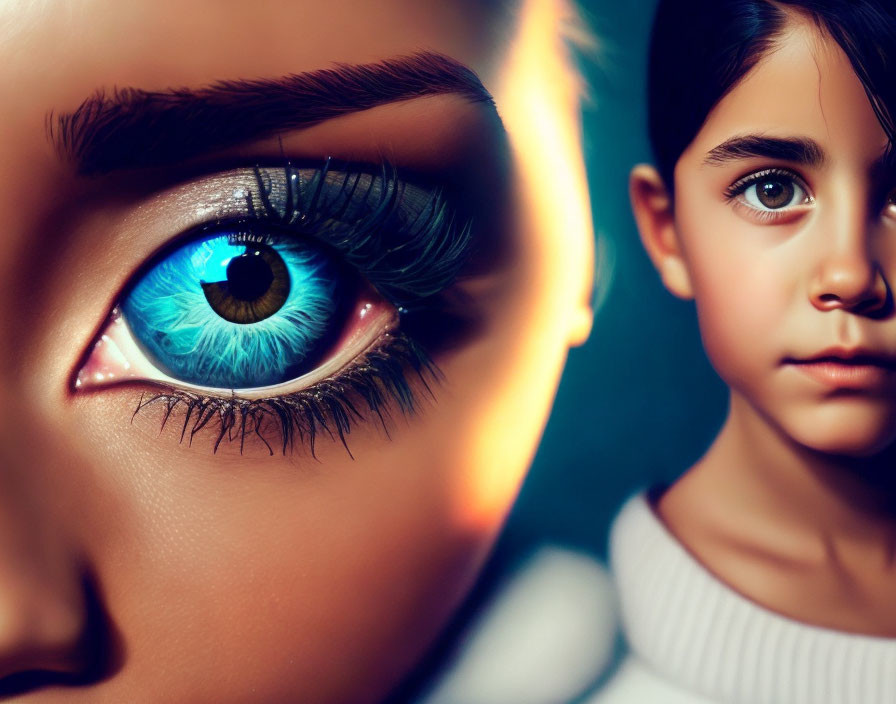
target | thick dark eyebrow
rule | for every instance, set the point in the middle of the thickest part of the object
(795, 149)
(129, 128)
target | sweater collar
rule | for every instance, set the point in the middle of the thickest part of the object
(694, 629)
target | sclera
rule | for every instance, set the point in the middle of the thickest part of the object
(116, 356)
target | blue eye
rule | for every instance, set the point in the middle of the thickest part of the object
(303, 302)
(236, 310)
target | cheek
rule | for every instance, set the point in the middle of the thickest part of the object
(328, 583)
(293, 575)
(744, 291)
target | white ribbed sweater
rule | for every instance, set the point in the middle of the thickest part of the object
(694, 640)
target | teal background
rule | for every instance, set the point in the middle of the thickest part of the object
(638, 403)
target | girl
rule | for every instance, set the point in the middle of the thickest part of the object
(766, 572)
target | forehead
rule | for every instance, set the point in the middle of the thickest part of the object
(805, 86)
(56, 53)
(185, 39)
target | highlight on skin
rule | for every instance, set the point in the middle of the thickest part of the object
(542, 94)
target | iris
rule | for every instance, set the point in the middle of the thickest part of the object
(237, 310)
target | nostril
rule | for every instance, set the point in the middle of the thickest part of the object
(826, 301)
(829, 301)
(864, 293)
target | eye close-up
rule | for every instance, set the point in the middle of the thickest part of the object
(301, 281)
(771, 195)
(236, 310)
(466, 352)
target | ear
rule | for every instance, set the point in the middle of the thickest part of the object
(652, 206)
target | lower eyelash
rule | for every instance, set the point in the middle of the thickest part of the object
(767, 217)
(330, 407)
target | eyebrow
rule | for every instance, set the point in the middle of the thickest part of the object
(130, 128)
(795, 149)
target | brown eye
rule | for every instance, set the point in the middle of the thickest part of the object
(256, 287)
(775, 193)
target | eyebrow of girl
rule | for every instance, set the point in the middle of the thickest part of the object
(132, 128)
(795, 149)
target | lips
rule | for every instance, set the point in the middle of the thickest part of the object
(841, 368)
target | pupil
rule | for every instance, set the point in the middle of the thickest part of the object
(249, 276)
(773, 190)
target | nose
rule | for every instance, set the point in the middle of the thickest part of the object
(848, 276)
(44, 605)
(42, 610)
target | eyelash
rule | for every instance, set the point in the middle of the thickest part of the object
(762, 216)
(376, 378)
(743, 183)
(409, 263)
(403, 280)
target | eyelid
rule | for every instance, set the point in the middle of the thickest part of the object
(744, 182)
(889, 208)
(386, 374)
(428, 244)
(178, 213)
(410, 248)
(735, 192)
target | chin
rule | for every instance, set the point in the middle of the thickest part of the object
(853, 434)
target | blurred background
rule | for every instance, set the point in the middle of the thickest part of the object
(638, 404)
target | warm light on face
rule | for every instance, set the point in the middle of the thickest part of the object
(312, 566)
(541, 91)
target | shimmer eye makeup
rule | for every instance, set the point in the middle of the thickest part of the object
(285, 298)
(288, 302)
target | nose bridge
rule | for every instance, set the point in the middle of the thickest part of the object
(43, 612)
(15, 241)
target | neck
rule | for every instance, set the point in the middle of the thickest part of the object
(770, 485)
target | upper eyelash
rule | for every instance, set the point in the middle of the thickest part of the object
(743, 183)
(407, 262)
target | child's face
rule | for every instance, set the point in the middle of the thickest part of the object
(789, 248)
(135, 567)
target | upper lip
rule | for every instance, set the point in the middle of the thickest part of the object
(848, 355)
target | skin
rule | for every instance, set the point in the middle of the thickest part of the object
(793, 503)
(143, 569)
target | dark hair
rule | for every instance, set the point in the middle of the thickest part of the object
(701, 49)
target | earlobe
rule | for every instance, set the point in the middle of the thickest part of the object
(652, 207)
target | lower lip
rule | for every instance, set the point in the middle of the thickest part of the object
(846, 376)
